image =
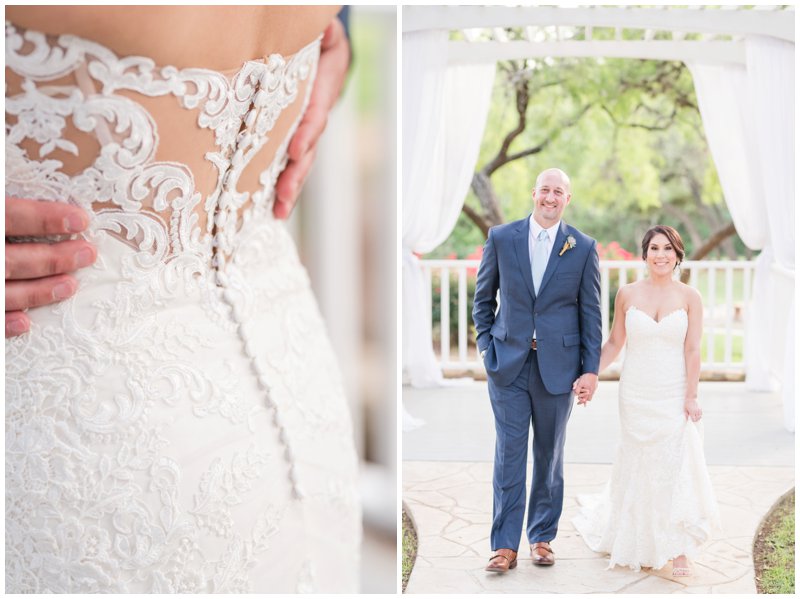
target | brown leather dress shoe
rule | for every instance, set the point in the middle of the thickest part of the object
(542, 554)
(503, 560)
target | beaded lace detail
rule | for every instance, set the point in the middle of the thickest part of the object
(659, 502)
(159, 423)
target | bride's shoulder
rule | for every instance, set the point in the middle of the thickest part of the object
(690, 295)
(626, 292)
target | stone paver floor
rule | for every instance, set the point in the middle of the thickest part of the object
(449, 503)
(447, 488)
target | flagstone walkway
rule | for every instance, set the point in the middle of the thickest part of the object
(447, 490)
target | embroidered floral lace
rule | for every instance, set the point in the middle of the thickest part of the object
(179, 425)
(659, 502)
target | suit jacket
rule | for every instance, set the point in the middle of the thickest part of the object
(566, 312)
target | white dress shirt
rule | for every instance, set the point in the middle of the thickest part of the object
(533, 234)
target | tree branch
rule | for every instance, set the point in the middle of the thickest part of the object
(548, 138)
(476, 218)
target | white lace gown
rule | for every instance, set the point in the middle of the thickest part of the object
(659, 502)
(179, 425)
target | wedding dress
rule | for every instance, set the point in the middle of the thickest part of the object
(658, 503)
(179, 425)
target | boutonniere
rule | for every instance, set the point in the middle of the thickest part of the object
(568, 245)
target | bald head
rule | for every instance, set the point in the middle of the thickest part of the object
(554, 172)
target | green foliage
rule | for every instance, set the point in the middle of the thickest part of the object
(628, 133)
(409, 549)
(774, 553)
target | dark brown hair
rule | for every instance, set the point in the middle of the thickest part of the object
(668, 232)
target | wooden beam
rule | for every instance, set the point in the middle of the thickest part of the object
(773, 23)
(708, 52)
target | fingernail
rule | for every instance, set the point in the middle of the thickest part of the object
(84, 258)
(16, 327)
(74, 223)
(62, 291)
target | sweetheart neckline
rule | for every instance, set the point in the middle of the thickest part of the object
(229, 75)
(653, 319)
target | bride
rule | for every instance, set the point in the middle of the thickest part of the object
(658, 504)
(179, 423)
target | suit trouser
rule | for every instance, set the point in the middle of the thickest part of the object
(515, 407)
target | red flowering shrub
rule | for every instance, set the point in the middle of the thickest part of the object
(613, 251)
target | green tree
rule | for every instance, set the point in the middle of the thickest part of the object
(630, 136)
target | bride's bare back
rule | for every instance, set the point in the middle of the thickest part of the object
(123, 53)
(213, 37)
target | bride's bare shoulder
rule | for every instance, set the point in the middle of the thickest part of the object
(214, 37)
(626, 293)
(691, 296)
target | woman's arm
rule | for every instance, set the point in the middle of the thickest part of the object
(691, 353)
(616, 340)
(611, 348)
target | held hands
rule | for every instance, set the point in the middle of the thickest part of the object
(691, 409)
(36, 272)
(584, 388)
(334, 60)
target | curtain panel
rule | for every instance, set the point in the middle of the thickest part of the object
(748, 117)
(444, 114)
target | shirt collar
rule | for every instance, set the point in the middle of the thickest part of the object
(536, 227)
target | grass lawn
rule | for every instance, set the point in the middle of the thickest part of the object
(409, 548)
(773, 550)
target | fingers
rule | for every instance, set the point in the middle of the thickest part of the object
(289, 184)
(308, 132)
(36, 272)
(334, 60)
(38, 292)
(17, 323)
(695, 415)
(36, 260)
(39, 218)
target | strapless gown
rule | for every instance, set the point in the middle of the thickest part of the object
(659, 502)
(179, 425)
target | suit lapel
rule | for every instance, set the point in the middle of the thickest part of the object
(524, 259)
(553, 262)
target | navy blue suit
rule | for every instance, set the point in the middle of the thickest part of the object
(529, 387)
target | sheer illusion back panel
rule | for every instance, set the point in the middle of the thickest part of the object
(179, 424)
(184, 155)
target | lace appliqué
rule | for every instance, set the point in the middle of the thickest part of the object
(146, 452)
(659, 502)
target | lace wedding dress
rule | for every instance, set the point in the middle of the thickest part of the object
(179, 425)
(658, 503)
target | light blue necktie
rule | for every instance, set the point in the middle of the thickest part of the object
(539, 260)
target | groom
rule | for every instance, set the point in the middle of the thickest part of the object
(545, 334)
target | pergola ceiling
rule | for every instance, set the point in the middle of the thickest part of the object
(710, 33)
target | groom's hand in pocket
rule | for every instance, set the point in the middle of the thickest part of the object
(334, 60)
(36, 273)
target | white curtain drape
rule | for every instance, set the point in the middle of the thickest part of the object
(770, 71)
(444, 114)
(748, 117)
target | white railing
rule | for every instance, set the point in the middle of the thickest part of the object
(724, 284)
